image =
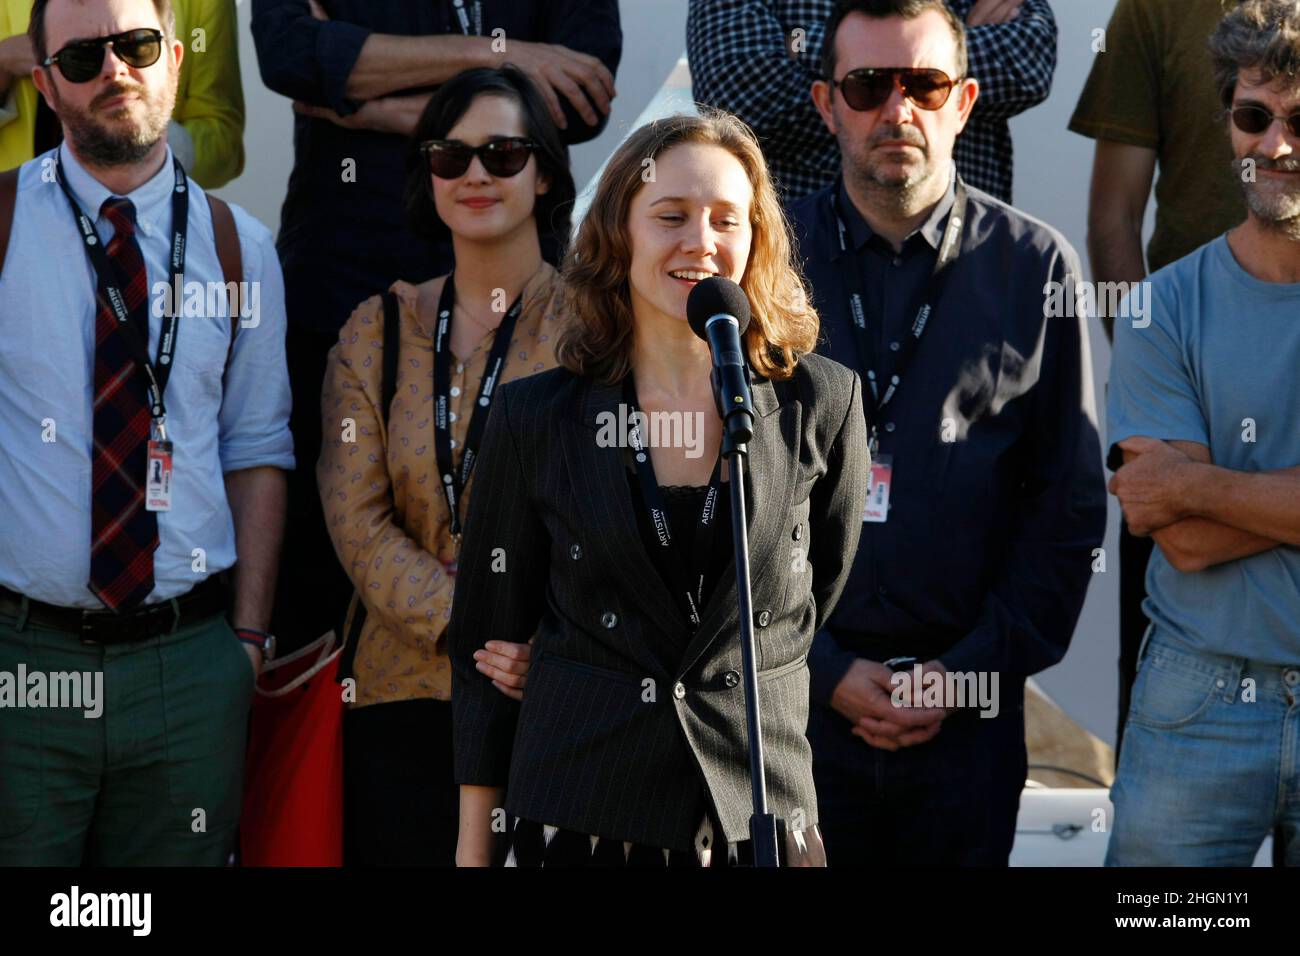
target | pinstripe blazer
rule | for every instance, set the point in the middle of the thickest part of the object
(629, 721)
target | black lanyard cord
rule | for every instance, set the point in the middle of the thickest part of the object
(949, 250)
(453, 479)
(687, 576)
(110, 293)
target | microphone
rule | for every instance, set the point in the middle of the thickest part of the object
(718, 312)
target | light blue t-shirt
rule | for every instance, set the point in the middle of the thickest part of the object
(1219, 365)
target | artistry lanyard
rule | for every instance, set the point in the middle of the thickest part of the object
(454, 479)
(688, 577)
(159, 371)
(949, 250)
(463, 17)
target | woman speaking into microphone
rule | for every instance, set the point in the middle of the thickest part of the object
(630, 744)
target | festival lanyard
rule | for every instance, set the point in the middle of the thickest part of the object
(463, 17)
(688, 577)
(159, 371)
(454, 479)
(949, 250)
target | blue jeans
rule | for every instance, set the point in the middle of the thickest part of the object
(1206, 772)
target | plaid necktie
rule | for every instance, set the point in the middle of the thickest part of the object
(124, 534)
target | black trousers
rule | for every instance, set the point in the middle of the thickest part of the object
(401, 804)
(951, 801)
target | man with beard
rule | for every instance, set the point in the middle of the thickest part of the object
(144, 446)
(1202, 407)
(207, 126)
(986, 493)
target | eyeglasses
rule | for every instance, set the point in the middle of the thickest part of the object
(1255, 120)
(81, 60)
(868, 88)
(449, 159)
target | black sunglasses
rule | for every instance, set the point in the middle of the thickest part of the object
(1255, 120)
(81, 60)
(449, 159)
(868, 88)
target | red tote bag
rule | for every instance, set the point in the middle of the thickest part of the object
(293, 778)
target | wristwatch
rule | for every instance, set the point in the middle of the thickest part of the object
(897, 664)
(263, 641)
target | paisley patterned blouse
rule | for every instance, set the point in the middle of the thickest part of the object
(384, 507)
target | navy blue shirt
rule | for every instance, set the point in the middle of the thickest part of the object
(341, 242)
(997, 499)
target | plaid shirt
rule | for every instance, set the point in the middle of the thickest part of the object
(741, 61)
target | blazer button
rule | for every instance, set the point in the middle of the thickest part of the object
(575, 551)
(679, 690)
(731, 678)
(764, 618)
(798, 532)
(610, 620)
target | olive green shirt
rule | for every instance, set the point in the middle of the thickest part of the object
(1154, 87)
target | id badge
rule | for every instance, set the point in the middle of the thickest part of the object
(158, 481)
(882, 476)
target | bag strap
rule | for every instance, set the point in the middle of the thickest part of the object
(8, 200)
(231, 258)
(392, 345)
(356, 615)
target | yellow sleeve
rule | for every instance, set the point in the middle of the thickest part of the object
(210, 102)
(406, 587)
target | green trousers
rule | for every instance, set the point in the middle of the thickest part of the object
(153, 778)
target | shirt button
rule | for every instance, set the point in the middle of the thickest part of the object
(731, 678)
(764, 618)
(460, 368)
(893, 346)
(451, 416)
(453, 443)
(575, 551)
(455, 390)
(883, 591)
(609, 620)
(679, 690)
(898, 260)
(1292, 677)
(889, 426)
(798, 532)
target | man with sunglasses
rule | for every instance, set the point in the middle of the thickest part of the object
(986, 492)
(757, 59)
(1201, 411)
(145, 439)
(207, 128)
(360, 73)
(1150, 103)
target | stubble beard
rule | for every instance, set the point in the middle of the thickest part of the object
(899, 195)
(110, 144)
(1275, 206)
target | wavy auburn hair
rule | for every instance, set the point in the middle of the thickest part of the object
(597, 340)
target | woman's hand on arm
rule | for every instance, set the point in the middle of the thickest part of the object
(506, 663)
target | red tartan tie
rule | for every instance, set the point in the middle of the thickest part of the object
(124, 534)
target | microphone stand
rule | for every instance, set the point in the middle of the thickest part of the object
(762, 825)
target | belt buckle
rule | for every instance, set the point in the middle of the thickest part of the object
(87, 627)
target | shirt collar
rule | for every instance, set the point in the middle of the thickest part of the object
(860, 232)
(151, 198)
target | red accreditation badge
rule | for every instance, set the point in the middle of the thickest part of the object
(882, 476)
(158, 480)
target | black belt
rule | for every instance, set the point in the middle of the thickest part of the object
(106, 627)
